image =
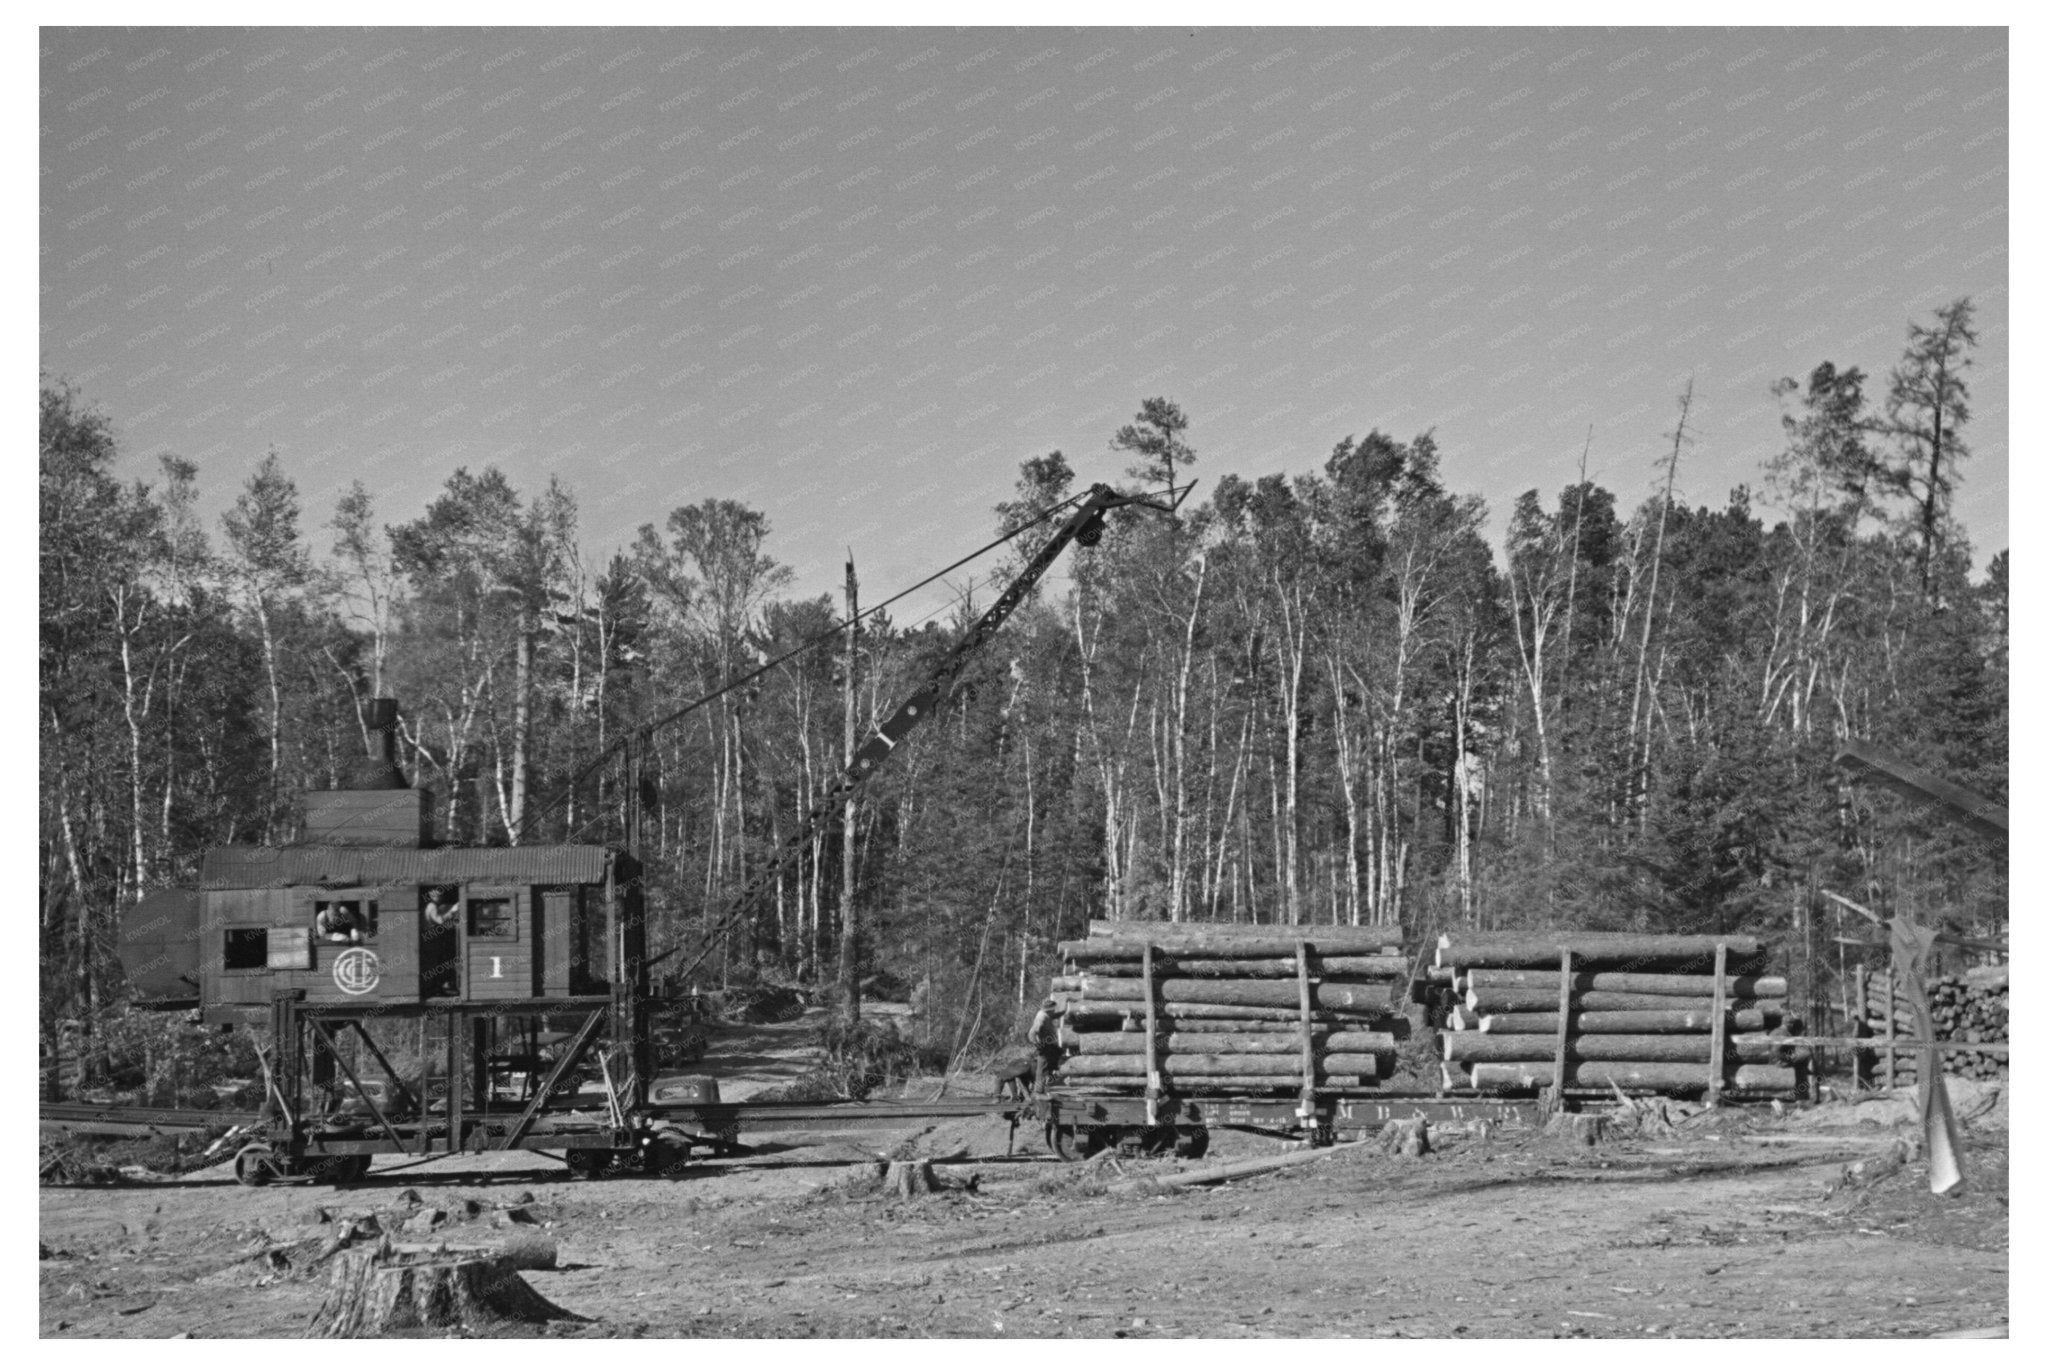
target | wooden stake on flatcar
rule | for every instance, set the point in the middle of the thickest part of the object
(1308, 1040)
(1151, 1042)
(1717, 1047)
(1564, 1026)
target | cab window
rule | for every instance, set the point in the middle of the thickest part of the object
(351, 919)
(490, 917)
(245, 950)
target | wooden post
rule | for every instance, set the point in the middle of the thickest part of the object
(1307, 1112)
(1151, 1041)
(1564, 1026)
(1891, 1029)
(1862, 1022)
(455, 1069)
(1718, 1049)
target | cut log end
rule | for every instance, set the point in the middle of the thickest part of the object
(371, 1294)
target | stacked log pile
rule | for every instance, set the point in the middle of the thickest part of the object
(1669, 1014)
(1971, 1008)
(1228, 1009)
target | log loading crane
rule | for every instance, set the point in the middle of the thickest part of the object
(476, 955)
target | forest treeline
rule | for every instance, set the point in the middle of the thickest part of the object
(1311, 697)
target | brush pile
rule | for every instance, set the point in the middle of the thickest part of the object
(1228, 1008)
(1656, 1013)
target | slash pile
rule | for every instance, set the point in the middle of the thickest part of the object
(1226, 1008)
(1669, 1014)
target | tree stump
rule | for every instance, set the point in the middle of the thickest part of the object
(909, 1179)
(1579, 1130)
(1406, 1137)
(374, 1293)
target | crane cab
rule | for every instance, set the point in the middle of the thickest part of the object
(364, 911)
(410, 927)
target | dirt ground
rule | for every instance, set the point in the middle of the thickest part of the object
(1728, 1224)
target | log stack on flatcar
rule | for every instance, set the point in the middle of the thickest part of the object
(1214, 1009)
(1649, 1013)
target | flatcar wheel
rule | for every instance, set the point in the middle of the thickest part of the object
(1158, 1141)
(338, 1170)
(254, 1165)
(1063, 1142)
(666, 1152)
(1192, 1143)
(588, 1161)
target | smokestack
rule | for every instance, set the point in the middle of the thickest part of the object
(378, 769)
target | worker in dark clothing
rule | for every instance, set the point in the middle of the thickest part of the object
(437, 943)
(1044, 1037)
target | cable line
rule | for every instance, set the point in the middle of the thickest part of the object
(646, 729)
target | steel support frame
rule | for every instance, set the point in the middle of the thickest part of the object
(293, 1132)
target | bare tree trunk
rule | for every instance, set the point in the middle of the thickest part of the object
(522, 726)
(849, 919)
(1177, 877)
(1294, 609)
(1347, 782)
(1461, 713)
(131, 715)
(1638, 790)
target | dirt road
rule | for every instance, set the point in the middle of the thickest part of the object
(1731, 1226)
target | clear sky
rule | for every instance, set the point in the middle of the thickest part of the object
(853, 277)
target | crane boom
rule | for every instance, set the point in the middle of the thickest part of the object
(1085, 525)
(1978, 813)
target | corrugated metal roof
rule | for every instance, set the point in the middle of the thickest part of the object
(242, 866)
